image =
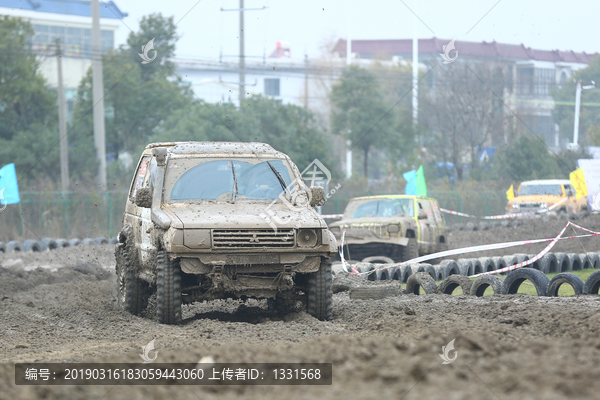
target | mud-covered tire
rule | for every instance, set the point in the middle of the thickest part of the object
(31, 245)
(515, 278)
(132, 293)
(2, 247)
(487, 264)
(343, 282)
(465, 267)
(423, 280)
(589, 260)
(375, 292)
(406, 272)
(383, 274)
(449, 267)
(548, 263)
(452, 282)
(320, 303)
(74, 242)
(396, 274)
(50, 243)
(499, 263)
(411, 250)
(481, 284)
(592, 284)
(62, 243)
(378, 260)
(88, 242)
(569, 278)
(13, 246)
(431, 271)
(168, 289)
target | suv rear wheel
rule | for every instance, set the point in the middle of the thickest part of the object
(320, 292)
(133, 293)
(168, 290)
(411, 250)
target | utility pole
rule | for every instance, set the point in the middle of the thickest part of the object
(242, 56)
(575, 144)
(415, 71)
(348, 62)
(62, 123)
(242, 66)
(98, 95)
(306, 81)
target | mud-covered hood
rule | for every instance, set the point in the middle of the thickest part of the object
(244, 215)
(536, 198)
(371, 226)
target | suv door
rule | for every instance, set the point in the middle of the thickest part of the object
(135, 214)
(427, 226)
(440, 236)
(572, 207)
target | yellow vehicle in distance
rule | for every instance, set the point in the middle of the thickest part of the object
(533, 196)
(399, 227)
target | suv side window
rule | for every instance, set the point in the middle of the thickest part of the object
(139, 176)
(569, 190)
(436, 212)
(426, 206)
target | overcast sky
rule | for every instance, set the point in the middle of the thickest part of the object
(307, 24)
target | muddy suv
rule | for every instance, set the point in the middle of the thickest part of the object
(391, 228)
(195, 229)
(555, 194)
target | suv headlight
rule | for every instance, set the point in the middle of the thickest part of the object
(393, 229)
(307, 238)
(544, 205)
(516, 205)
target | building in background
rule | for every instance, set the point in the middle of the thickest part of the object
(533, 73)
(71, 22)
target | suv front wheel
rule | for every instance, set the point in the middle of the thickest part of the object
(320, 292)
(168, 290)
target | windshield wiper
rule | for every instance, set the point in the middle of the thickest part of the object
(235, 187)
(279, 178)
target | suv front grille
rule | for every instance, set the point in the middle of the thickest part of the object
(252, 238)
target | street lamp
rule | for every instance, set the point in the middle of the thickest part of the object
(575, 145)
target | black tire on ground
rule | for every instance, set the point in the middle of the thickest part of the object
(378, 260)
(411, 250)
(88, 242)
(396, 274)
(13, 246)
(563, 263)
(31, 245)
(521, 258)
(439, 274)
(536, 264)
(470, 226)
(487, 264)
(465, 267)
(592, 284)
(575, 261)
(431, 271)
(62, 243)
(344, 281)
(168, 289)
(406, 272)
(477, 266)
(383, 274)
(74, 242)
(510, 260)
(452, 282)
(417, 268)
(320, 293)
(43, 246)
(50, 243)
(484, 226)
(421, 280)
(590, 260)
(132, 293)
(569, 278)
(548, 263)
(515, 278)
(499, 263)
(101, 240)
(481, 284)
(2, 247)
(375, 292)
(449, 267)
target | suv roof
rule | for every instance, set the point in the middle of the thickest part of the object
(211, 148)
(547, 182)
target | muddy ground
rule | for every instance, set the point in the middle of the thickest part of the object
(60, 306)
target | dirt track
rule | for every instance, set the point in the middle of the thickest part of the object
(509, 347)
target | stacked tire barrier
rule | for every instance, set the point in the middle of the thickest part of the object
(50, 244)
(421, 278)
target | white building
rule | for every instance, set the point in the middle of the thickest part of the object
(71, 22)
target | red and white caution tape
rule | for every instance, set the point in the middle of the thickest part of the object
(344, 262)
(505, 216)
(493, 246)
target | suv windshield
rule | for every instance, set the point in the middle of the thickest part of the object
(554, 189)
(191, 179)
(384, 208)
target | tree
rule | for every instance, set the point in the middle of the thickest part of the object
(564, 109)
(359, 112)
(465, 110)
(286, 127)
(28, 109)
(527, 158)
(137, 97)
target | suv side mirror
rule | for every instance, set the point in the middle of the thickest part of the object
(317, 196)
(143, 198)
(422, 215)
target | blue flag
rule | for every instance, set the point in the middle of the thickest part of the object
(9, 188)
(411, 182)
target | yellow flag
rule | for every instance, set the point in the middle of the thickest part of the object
(578, 181)
(510, 193)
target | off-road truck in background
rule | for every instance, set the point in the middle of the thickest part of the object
(194, 229)
(391, 228)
